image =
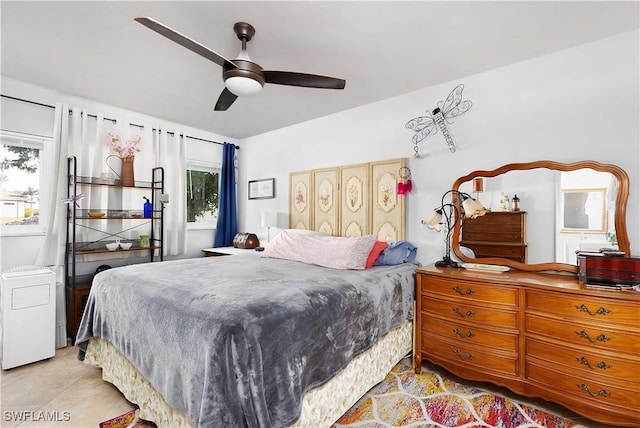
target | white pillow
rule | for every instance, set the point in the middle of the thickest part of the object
(322, 250)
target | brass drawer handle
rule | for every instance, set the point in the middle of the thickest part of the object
(469, 313)
(601, 365)
(469, 291)
(600, 338)
(601, 393)
(459, 333)
(599, 311)
(469, 355)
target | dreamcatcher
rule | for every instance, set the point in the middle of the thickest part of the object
(423, 125)
(404, 185)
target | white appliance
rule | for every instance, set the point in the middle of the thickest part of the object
(28, 315)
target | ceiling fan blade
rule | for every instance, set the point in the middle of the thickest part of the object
(303, 79)
(225, 100)
(185, 41)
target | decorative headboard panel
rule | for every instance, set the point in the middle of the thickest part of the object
(350, 200)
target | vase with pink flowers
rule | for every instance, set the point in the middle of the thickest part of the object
(126, 152)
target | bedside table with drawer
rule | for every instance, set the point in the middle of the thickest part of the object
(225, 251)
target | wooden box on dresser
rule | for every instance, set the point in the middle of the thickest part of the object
(538, 334)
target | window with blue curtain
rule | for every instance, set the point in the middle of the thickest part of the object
(227, 225)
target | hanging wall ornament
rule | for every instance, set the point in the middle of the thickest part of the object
(423, 125)
(404, 185)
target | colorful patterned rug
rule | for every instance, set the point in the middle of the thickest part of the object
(128, 420)
(405, 399)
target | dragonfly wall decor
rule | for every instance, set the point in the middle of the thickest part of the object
(423, 125)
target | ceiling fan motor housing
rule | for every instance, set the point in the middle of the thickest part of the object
(247, 69)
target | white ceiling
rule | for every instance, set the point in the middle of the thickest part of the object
(97, 51)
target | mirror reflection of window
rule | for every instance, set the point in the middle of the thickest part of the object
(584, 211)
(575, 215)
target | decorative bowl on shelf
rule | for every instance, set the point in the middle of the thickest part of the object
(95, 215)
(112, 246)
(125, 245)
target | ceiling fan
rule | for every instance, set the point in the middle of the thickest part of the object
(241, 75)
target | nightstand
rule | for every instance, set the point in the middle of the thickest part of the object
(225, 251)
(76, 301)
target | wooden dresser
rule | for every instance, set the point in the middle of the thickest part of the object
(537, 334)
(497, 234)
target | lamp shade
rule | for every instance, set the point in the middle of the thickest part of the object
(434, 221)
(473, 208)
(478, 185)
(268, 219)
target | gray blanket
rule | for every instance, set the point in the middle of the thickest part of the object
(238, 340)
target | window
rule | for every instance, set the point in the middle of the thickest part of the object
(21, 167)
(202, 194)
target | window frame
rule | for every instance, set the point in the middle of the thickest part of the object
(202, 166)
(45, 186)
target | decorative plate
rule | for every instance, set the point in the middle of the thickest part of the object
(485, 268)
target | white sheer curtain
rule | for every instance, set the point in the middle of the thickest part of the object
(170, 154)
(79, 134)
(52, 252)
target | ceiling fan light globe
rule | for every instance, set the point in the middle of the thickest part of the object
(242, 86)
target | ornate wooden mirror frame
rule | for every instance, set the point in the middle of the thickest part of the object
(620, 211)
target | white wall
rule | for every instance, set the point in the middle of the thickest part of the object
(577, 104)
(23, 117)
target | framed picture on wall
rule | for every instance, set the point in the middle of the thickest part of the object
(262, 189)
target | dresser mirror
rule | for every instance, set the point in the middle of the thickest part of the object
(542, 194)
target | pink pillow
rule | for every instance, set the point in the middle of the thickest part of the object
(378, 248)
(322, 250)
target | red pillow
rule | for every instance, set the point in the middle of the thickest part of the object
(378, 248)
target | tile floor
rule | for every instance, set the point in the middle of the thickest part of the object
(75, 396)
(72, 393)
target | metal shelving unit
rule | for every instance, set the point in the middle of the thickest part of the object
(77, 286)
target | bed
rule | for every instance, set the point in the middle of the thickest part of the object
(246, 340)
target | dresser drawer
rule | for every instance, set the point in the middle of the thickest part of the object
(586, 308)
(591, 336)
(505, 251)
(593, 391)
(589, 363)
(471, 291)
(471, 334)
(493, 236)
(493, 220)
(462, 312)
(462, 354)
(612, 276)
